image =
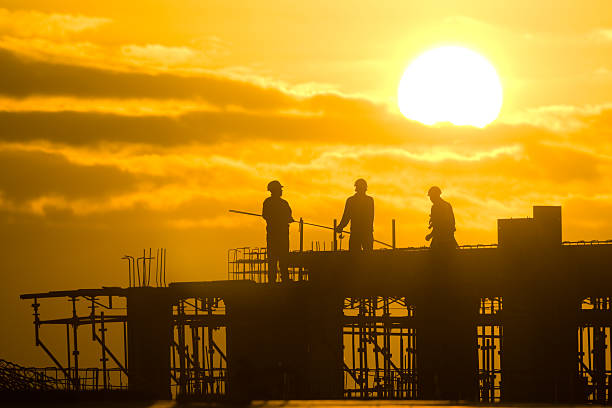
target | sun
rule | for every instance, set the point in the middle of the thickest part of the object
(450, 84)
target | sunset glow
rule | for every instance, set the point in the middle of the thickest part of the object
(128, 124)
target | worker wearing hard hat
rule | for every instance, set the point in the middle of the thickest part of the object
(441, 221)
(277, 213)
(359, 210)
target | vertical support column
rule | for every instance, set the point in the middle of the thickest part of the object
(446, 333)
(68, 351)
(182, 348)
(104, 359)
(301, 271)
(211, 349)
(195, 354)
(149, 339)
(335, 235)
(540, 340)
(393, 233)
(125, 346)
(75, 352)
(297, 352)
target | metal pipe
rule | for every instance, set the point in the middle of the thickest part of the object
(150, 259)
(211, 349)
(164, 266)
(68, 345)
(125, 346)
(393, 233)
(335, 235)
(103, 331)
(301, 270)
(75, 352)
(157, 271)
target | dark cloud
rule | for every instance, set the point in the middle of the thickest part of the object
(89, 128)
(564, 164)
(202, 127)
(27, 175)
(25, 77)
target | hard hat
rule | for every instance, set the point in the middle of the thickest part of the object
(274, 185)
(361, 183)
(434, 191)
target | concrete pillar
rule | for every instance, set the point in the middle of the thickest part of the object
(149, 339)
(447, 359)
(283, 343)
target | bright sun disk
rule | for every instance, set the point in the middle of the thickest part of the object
(450, 84)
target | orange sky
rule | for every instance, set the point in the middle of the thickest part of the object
(128, 124)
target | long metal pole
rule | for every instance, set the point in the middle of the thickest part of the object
(75, 352)
(125, 345)
(301, 271)
(211, 349)
(103, 332)
(195, 353)
(335, 235)
(182, 349)
(393, 233)
(68, 348)
(164, 266)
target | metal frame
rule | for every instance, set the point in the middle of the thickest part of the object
(71, 376)
(594, 349)
(379, 348)
(199, 361)
(489, 334)
(252, 264)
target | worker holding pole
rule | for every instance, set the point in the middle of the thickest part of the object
(277, 213)
(359, 210)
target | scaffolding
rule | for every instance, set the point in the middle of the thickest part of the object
(106, 312)
(379, 348)
(198, 358)
(252, 264)
(199, 362)
(594, 352)
(489, 333)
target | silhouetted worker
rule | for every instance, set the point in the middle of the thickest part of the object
(277, 214)
(359, 210)
(441, 221)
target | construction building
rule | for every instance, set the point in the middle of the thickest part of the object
(526, 320)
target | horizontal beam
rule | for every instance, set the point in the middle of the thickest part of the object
(85, 320)
(108, 291)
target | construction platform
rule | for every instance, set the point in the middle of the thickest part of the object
(527, 320)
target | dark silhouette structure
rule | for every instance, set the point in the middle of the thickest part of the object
(359, 211)
(526, 320)
(441, 221)
(277, 213)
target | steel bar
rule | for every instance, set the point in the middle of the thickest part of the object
(103, 343)
(75, 350)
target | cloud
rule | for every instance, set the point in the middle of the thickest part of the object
(26, 77)
(558, 118)
(197, 127)
(80, 53)
(163, 57)
(602, 34)
(27, 175)
(124, 107)
(22, 23)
